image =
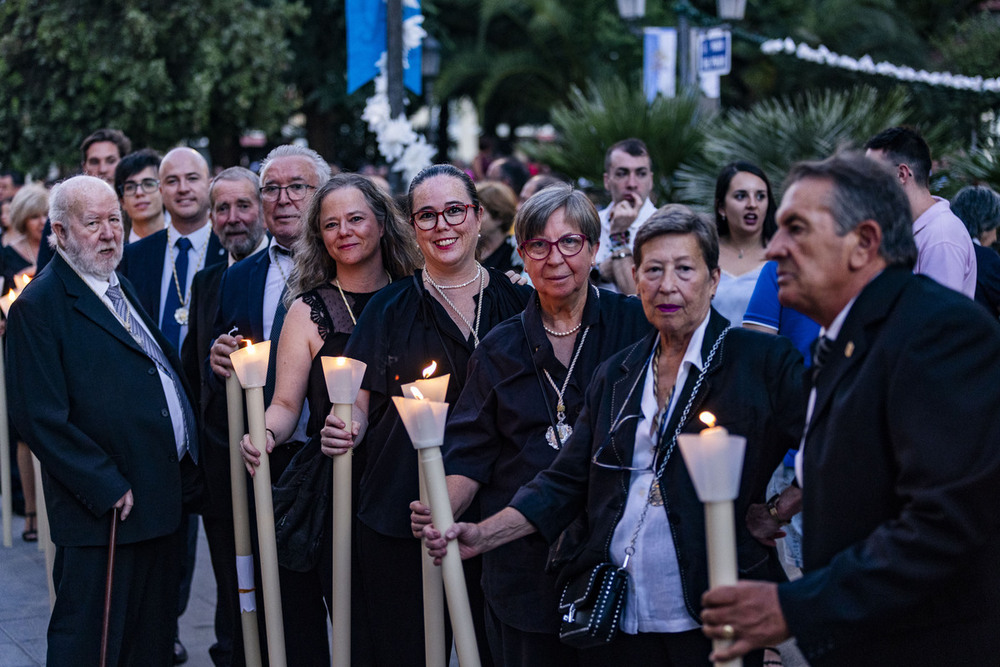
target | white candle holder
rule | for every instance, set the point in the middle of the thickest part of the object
(250, 364)
(425, 421)
(714, 460)
(343, 381)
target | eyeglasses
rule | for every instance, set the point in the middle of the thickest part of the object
(427, 219)
(295, 191)
(611, 458)
(569, 246)
(148, 185)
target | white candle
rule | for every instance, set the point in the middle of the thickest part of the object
(714, 460)
(343, 381)
(250, 364)
(241, 525)
(425, 421)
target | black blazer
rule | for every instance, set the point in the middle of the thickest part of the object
(900, 482)
(241, 297)
(90, 405)
(143, 264)
(755, 388)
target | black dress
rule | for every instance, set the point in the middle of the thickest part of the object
(402, 330)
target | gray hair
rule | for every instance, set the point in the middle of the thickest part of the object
(978, 207)
(320, 166)
(863, 189)
(65, 203)
(531, 218)
(235, 174)
(679, 219)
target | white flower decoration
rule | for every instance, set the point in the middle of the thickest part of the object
(823, 55)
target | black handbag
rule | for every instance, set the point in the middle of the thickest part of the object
(591, 606)
(302, 507)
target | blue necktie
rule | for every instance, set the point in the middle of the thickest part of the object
(176, 294)
(154, 352)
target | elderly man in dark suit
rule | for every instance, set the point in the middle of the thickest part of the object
(237, 220)
(97, 393)
(250, 299)
(900, 463)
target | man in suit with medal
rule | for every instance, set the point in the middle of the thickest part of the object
(98, 395)
(900, 461)
(162, 267)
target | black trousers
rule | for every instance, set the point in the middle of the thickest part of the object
(393, 598)
(516, 648)
(143, 604)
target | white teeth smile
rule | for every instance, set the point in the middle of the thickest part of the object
(444, 243)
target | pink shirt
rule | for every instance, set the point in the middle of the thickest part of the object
(944, 249)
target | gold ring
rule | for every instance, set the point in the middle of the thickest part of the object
(728, 631)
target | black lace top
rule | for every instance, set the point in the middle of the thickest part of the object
(333, 322)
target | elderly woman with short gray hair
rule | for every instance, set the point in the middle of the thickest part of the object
(979, 208)
(620, 470)
(525, 390)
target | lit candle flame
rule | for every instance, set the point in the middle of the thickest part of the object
(416, 393)
(707, 418)
(11, 295)
(429, 371)
(340, 361)
(249, 343)
(21, 279)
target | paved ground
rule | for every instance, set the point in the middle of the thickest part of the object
(24, 605)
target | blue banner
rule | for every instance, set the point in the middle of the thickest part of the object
(366, 41)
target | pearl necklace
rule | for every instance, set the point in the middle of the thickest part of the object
(560, 334)
(479, 306)
(468, 282)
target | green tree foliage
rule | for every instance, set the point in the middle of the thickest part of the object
(673, 129)
(159, 71)
(776, 133)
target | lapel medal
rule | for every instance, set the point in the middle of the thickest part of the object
(181, 315)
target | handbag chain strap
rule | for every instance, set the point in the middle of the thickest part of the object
(630, 549)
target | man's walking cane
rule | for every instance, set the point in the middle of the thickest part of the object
(107, 588)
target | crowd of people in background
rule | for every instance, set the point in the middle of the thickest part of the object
(849, 332)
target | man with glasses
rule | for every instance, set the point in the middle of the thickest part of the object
(251, 307)
(628, 177)
(138, 186)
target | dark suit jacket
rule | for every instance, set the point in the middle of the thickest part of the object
(90, 405)
(211, 407)
(143, 264)
(241, 297)
(988, 279)
(900, 483)
(755, 388)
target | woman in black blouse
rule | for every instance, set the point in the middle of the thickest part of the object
(440, 314)
(525, 390)
(354, 242)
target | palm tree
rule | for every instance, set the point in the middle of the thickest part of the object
(673, 129)
(776, 133)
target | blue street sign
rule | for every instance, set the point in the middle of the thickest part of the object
(715, 49)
